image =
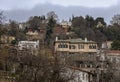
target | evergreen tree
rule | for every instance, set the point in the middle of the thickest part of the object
(50, 25)
(116, 45)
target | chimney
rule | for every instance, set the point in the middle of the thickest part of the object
(85, 39)
(56, 39)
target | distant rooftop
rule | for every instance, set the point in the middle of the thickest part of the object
(113, 51)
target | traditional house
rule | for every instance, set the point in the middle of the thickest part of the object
(58, 30)
(106, 45)
(22, 26)
(113, 56)
(81, 52)
(109, 58)
(75, 46)
(36, 35)
(32, 46)
(66, 24)
(28, 45)
(6, 40)
(77, 75)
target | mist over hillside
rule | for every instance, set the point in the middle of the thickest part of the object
(62, 12)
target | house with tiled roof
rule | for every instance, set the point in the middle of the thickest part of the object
(36, 34)
(75, 45)
(80, 51)
(78, 75)
(113, 55)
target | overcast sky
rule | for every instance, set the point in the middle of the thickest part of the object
(28, 4)
(22, 9)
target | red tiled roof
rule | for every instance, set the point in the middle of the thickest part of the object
(60, 30)
(114, 52)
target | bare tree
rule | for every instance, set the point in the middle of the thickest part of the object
(2, 17)
(52, 14)
(41, 68)
(116, 19)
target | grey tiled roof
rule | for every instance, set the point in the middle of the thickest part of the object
(78, 40)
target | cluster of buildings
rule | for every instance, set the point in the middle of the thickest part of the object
(88, 57)
(84, 54)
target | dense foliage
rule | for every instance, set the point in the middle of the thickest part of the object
(95, 29)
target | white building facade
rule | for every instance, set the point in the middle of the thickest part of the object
(30, 46)
(33, 45)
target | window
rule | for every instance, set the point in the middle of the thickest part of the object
(83, 76)
(66, 46)
(92, 46)
(88, 66)
(72, 47)
(62, 45)
(86, 77)
(81, 46)
(58, 46)
(37, 46)
(69, 46)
